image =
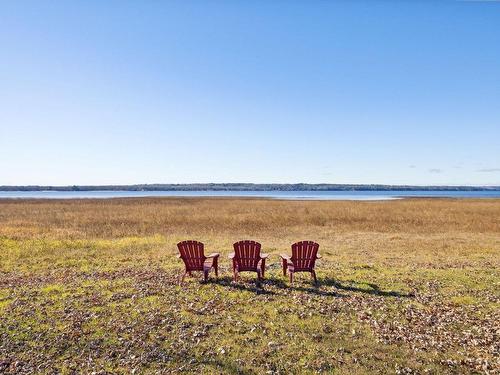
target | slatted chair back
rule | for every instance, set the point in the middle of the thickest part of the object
(247, 255)
(304, 255)
(192, 253)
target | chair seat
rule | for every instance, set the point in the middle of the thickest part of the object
(252, 269)
(206, 265)
(209, 263)
(292, 268)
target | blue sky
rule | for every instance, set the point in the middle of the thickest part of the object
(118, 92)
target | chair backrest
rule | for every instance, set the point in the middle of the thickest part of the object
(247, 255)
(192, 253)
(304, 255)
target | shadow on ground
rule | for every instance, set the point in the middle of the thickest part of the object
(267, 285)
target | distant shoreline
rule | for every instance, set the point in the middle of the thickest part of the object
(245, 187)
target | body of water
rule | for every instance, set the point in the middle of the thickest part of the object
(290, 195)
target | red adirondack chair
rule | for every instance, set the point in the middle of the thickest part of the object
(247, 257)
(304, 255)
(192, 253)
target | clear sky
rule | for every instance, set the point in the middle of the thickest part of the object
(119, 92)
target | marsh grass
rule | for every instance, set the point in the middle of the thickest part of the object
(407, 285)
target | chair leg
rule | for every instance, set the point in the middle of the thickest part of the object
(181, 279)
(235, 271)
(205, 275)
(291, 278)
(263, 268)
(285, 265)
(313, 274)
(259, 275)
(216, 267)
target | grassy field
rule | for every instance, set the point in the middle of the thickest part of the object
(407, 286)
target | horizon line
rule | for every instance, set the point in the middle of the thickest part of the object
(67, 186)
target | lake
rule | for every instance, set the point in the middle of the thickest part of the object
(288, 195)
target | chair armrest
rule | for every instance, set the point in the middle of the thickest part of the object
(179, 256)
(231, 256)
(263, 255)
(213, 255)
(318, 256)
(284, 256)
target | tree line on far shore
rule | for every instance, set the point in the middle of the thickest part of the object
(247, 187)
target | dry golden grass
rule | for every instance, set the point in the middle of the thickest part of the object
(437, 232)
(147, 216)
